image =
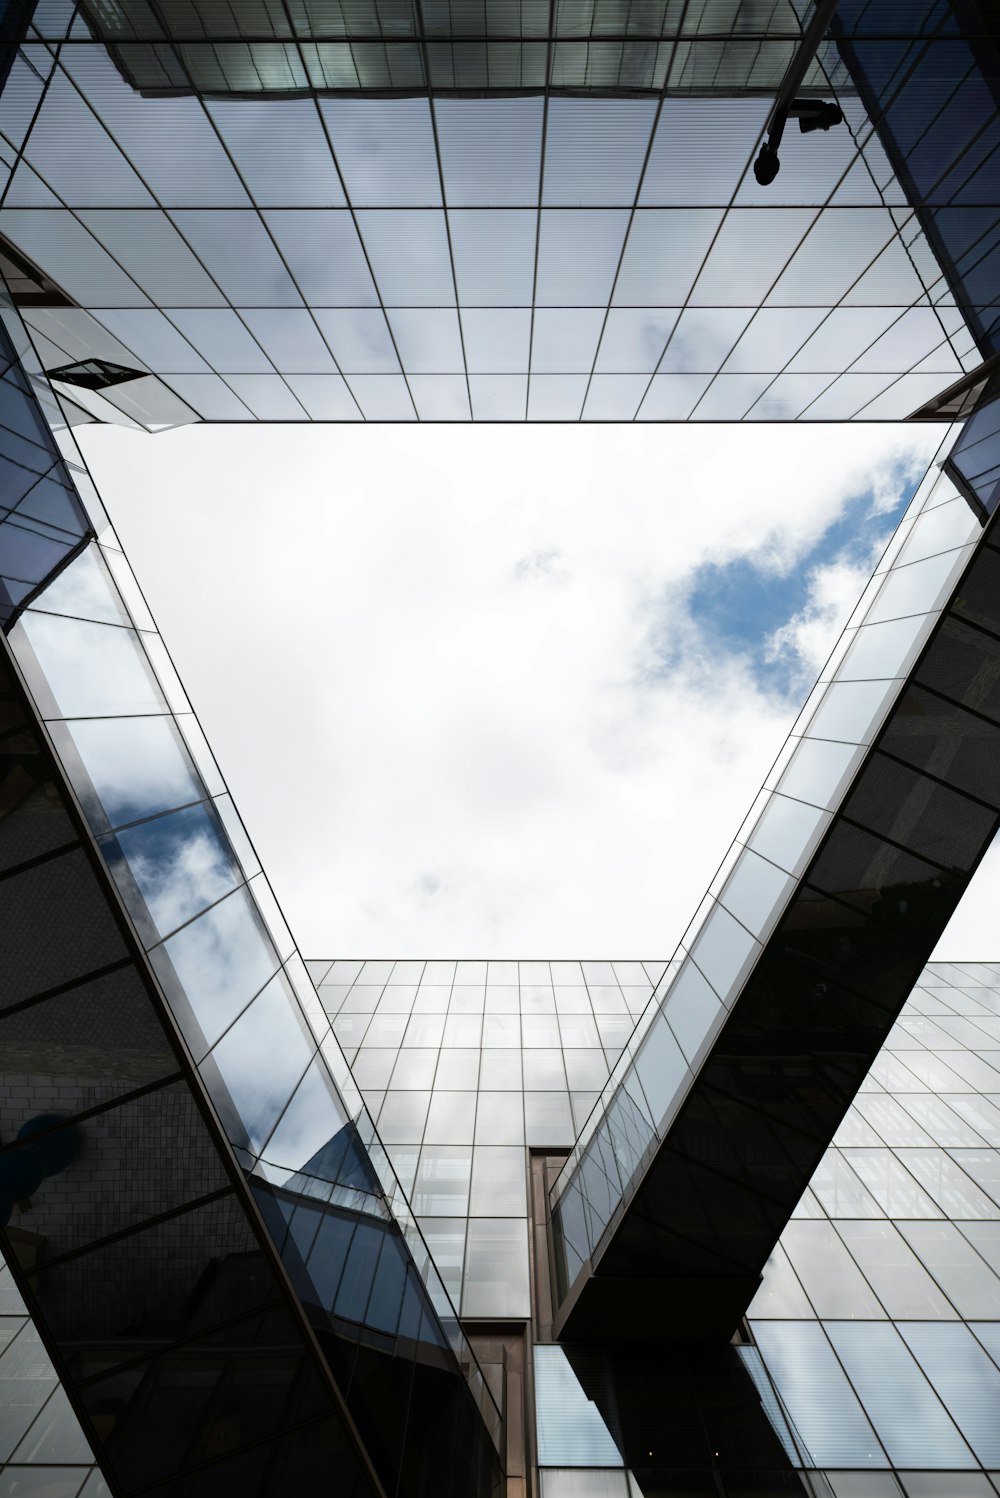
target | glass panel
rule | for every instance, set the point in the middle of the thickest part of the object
(918, 588)
(575, 1483)
(156, 256)
(127, 768)
(323, 252)
(498, 1181)
(84, 670)
(281, 151)
(692, 1009)
(490, 150)
(385, 150)
(360, 340)
(254, 1069)
(291, 341)
(571, 1432)
(578, 254)
(213, 967)
(402, 1116)
(409, 257)
(172, 867)
(314, 1120)
(427, 339)
(723, 950)
(663, 255)
(911, 1422)
(441, 1188)
(499, 1118)
(80, 1296)
(42, 1482)
(830, 1276)
(755, 891)
(787, 831)
(73, 258)
(121, 1143)
(451, 1118)
(83, 590)
(241, 256)
(547, 1120)
(969, 1283)
(851, 711)
(594, 150)
(894, 1272)
(661, 1069)
(814, 1390)
(966, 1380)
(780, 1295)
(496, 1270)
(494, 259)
(27, 1379)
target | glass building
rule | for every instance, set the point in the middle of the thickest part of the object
(391, 211)
(724, 1223)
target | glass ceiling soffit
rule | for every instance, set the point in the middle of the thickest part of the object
(401, 46)
(500, 258)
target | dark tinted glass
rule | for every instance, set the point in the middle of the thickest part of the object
(132, 1144)
(964, 664)
(978, 599)
(100, 1038)
(289, 1464)
(195, 1403)
(33, 820)
(918, 813)
(943, 740)
(163, 1281)
(41, 953)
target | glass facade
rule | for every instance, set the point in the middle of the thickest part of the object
(576, 245)
(602, 47)
(938, 122)
(415, 1228)
(832, 897)
(887, 1271)
(188, 1237)
(463, 1066)
(868, 1359)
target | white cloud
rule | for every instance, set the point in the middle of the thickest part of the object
(836, 583)
(834, 589)
(451, 674)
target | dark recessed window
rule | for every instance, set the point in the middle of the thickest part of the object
(95, 374)
(28, 286)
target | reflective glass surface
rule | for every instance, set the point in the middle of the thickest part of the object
(108, 1152)
(879, 880)
(503, 213)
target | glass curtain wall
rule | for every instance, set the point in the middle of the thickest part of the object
(934, 97)
(402, 46)
(543, 256)
(165, 828)
(887, 1274)
(464, 1065)
(822, 915)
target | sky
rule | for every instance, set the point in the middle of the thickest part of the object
(505, 691)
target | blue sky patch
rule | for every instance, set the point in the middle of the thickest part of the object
(739, 605)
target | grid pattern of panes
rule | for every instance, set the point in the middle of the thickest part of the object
(541, 258)
(847, 864)
(464, 1065)
(42, 1448)
(600, 45)
(99, 677)
(879, 1316)
(877, 1326)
